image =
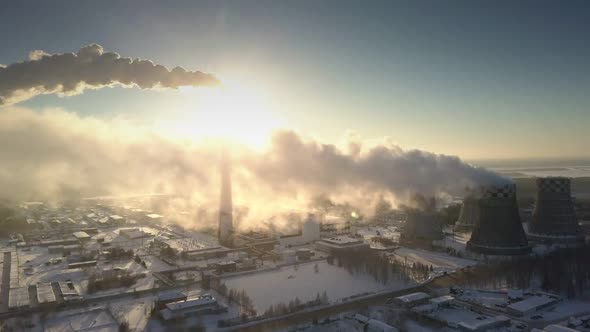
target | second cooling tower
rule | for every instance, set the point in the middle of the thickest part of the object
(469, 215)
(554, 219)
(499, 229)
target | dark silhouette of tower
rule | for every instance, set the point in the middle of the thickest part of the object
(469, 215)
(423, 223)
(499, 229)
(554, 219)
(225, 232)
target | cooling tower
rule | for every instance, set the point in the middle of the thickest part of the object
(422, 225)
(469, 215)
(499, 230)
(554, 219)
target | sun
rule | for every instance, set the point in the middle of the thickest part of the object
(232, 112)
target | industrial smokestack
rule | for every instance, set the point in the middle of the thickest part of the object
(554, 219)
(499, 230)
(225, 230)
(469, 215)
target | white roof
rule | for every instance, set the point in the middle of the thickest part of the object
(531, 303)
(81, 235)
(442, 299)
(558, 328)
(475, 325)
(413, 297)
(194, 302)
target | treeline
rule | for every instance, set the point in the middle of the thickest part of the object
(565, 272)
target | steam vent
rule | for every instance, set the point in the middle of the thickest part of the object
(469, 215)
(499, 230)
(422, 225)
(554, 218)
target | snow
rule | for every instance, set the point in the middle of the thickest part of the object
(441, 262)
(301, 281)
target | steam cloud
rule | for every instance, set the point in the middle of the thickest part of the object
(54, 154)
(90, 68)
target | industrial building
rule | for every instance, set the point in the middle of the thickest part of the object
(45, 295)
(169, 296)
(484, 324)
(411, 300)
(554, 219)
(203, 304)
(499, 231)
(532, 304)
(469, 215)
(342, 244)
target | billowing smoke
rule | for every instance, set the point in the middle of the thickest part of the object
(90, 68)
(53, 154)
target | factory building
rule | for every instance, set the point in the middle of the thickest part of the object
(342, 244)
(45, 295)
(499, 231)
(469, 215)
(532, 304)
(203, 304)
(554, 219)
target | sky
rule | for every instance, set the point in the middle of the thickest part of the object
(477, 79)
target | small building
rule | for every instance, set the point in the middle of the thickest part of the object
(374, 325)
(514, 295)
(116, 219)
(169, 296)
(203, 304)
(531, 304)
(153, 218)
(18, 298)
(303, 254)
(68, 291)
(45, 295)
(226, 266)
(442, 301)
(412, 300)
(484, 324)
(133, 233)
(81, 236)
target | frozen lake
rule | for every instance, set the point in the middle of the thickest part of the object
(283, 285)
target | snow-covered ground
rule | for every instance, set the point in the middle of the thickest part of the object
(284, 284)
(441, 262)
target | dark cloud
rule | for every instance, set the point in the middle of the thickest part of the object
(90, 68)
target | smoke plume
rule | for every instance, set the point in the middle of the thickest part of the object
(53, 155)
(90, 68)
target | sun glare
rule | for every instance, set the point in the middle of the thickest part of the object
(232, 112)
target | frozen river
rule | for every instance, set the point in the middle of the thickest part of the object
(283, 285)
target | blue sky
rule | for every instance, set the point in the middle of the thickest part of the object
(473, 78)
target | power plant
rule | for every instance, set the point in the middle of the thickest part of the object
(554, 219)
(499, 230)
(469, 215)
(225, 232)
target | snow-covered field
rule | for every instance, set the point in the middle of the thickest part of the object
(440, 262)
(282, 285)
